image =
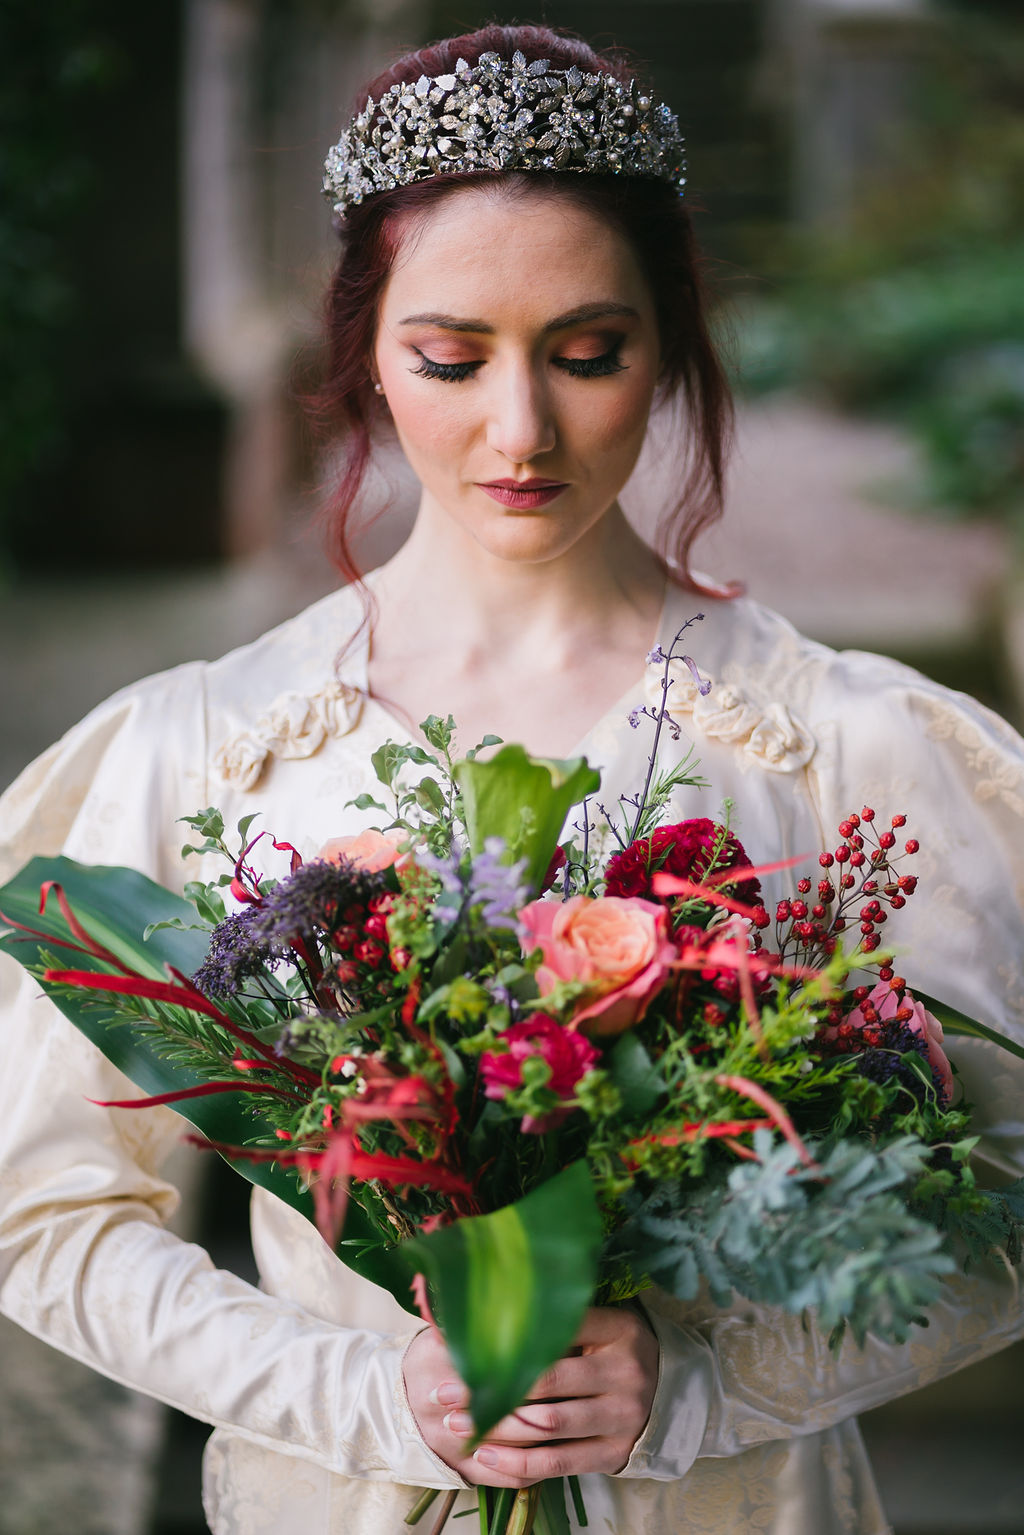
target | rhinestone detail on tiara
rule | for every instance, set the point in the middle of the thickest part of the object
(501, 116)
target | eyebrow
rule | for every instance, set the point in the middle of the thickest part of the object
(577, 316)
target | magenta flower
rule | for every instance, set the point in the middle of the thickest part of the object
(568, 1054)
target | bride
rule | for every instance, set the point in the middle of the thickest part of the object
(518, 286)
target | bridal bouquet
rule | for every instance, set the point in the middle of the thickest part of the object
(518, 1052)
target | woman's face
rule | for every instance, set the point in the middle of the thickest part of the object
(517, 346)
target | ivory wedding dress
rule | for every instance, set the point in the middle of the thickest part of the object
(753, 1427)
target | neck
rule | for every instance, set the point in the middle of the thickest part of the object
(499, 606)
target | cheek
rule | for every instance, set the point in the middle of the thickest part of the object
(427, 418)
(617, 420)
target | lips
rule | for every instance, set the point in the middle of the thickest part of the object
(524, 494)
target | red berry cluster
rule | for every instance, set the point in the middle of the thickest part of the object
(362, 935)
(861, 869)
(874, 1023)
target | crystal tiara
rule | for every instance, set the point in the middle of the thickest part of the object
(501, 116)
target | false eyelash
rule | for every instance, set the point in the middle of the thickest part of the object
(593, 367)
(449, 372)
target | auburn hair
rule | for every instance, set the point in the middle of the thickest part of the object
(648, 213)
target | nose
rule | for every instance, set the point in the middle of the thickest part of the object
(521, 422)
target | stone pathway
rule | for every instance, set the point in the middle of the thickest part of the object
(808, 534)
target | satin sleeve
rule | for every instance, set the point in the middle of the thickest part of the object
(85, 1261)
(900, 744)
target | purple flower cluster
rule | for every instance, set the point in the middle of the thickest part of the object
(312, 900)
(235, 954)
(886, 1061)
(496, 888)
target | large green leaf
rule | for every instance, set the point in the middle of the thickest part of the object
(955, 1022)
(115, 906)
(511, 1288)
(524, 800)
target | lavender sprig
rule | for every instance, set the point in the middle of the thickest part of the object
(658, 657)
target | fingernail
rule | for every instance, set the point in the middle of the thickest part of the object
(485, 1456)
(447, 1394)
(458, 1422)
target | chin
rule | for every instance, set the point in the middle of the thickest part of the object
(528, 541)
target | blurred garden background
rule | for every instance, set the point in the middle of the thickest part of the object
(858, 167)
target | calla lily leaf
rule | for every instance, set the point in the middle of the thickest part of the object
(955, 1022)
(523, 800)
(511, 1288)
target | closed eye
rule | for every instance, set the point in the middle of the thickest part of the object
(449, 372)
(577, 367)
(593, 367)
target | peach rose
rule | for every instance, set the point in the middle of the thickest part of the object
(617, 946)
(370, 850)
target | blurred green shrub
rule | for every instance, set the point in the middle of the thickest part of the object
(916, 307)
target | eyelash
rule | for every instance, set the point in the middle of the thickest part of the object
(577, 367)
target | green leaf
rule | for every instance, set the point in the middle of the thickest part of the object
(524, 800)
(634, 1074)
(209, 822)
(488, 740)
(366, 802)
(387, 760)
(116, 907)
(439, 732)
(955, 1022)
(511, 1288)
(429, 796)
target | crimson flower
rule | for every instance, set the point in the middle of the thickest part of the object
(687, 850)
(569, 1054)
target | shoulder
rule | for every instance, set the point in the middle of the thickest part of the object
(111, 788)
(851, 716)
(143, 745)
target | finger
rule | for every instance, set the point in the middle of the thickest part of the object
(571, 1457)
(541, 1422)
(574, 1376)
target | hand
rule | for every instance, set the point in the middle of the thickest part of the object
(585, 1414)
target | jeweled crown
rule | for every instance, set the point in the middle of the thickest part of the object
(501, 116)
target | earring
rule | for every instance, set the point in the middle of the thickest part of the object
(378, 388)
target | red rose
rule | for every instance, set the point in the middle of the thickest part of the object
(687, 850)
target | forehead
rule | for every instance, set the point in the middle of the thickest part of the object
(512, 260)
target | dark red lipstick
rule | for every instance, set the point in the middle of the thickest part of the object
(524, 494)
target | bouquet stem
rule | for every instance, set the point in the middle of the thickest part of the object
(536, 1510)
(421, 1505)
(446, 1508)
(524, 1511)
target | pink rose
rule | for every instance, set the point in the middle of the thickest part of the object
(922, 1023)
(617, 946)
(369, 850)
(567, 1053)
